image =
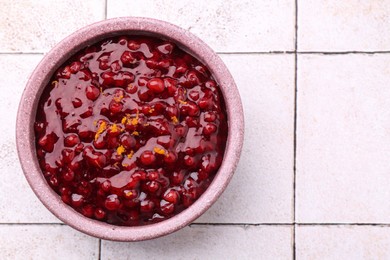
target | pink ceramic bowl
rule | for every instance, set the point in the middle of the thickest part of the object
(77, 41)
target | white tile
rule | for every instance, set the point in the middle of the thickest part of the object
(36, 26)
(343, 139)
(343, 25)
(238, 26)
(208, 242)
(46, 242)
(14, 190)
(261, 190)
(342, 242)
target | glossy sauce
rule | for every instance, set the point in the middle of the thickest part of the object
(131, 130)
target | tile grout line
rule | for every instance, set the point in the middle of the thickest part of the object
(105, 9)
(100, 240)
(240, 224)
(32, 224)
(342, 52)
(100, 249)
(295, 130)
(245, 53)
(21, 53)
(233, 224)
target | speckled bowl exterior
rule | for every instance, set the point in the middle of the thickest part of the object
(63, 51)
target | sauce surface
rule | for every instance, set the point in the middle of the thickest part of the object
(131, 130)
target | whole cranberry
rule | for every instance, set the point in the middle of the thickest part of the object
(209, 129)
(99, 213)
(112, 202)
(166, 207)
(146, 206)
(92, 92)
(47, 142)
(147, 157)
(156, 85)
(128, 141)
(172, 196)
(71, 140)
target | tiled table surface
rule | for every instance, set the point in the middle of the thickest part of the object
(314, 177)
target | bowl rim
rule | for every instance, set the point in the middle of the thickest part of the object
(63, 51)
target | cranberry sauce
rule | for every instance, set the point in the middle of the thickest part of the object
(131, 130)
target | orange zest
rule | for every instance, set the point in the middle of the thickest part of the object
(130, 154)
(114, 128)
(174, 119)
(159, 150)
(118, 99)
(120, 150)
(124, 120)
(134, 121)
(102, 127)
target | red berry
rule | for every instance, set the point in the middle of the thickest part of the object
(65, 73)
(47, 142)
(156, 85)
(92, 92)
(75, 67)
(115, 107)
(171, 157)
(115, 66)
(77, 102)
(167, 208)
(177, 177)
(209, 117)
(193, 109)
(87, 113)
(108, 78)
(153, 186)
(189, 161)
(71, 140)
(39, 127)
(131, 89)
(130, 194)
(128, 141)
(112, 142)
(112, 202)
(128, 59)
(166, 48)
(100, 143)
(88, 210)
(133, 45)
(133, 215)
(205, 103)
(194, 95)
(99, 213)
(171, 196)
(53, 181)
(147, 157)
(153, 175)
(97, 160)
(192, 78)
(77, 200)
(67, 155)
(106, 185)
(146, 206)
(209, 129)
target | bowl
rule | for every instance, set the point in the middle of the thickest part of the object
(63, 51)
